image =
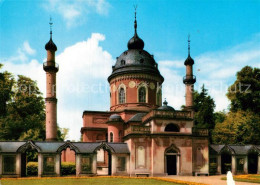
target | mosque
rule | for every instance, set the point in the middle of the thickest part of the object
(139, 136)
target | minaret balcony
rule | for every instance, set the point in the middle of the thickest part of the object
(51, 67)
(189, 79)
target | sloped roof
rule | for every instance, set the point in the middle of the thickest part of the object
(120, 148)
(10, 146)
(54, 147)
(237, 149)
(215, 149)
(137, 117)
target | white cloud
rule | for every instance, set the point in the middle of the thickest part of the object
(84, 68)
(27, 48)
(74, 12)
(217, 70)
(81, 80)
(21, 54)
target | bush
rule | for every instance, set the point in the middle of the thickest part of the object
(213, 168)
(68, 168)
(32, 168)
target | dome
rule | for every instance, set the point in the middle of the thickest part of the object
(50, 45)
(189, 61)
(114, 117)
(135, 43)
(166, 107)
(135, 59)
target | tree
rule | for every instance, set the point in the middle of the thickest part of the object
(241, 127)
(244, 93)
(22, 109)
(25, 115)
(203, 109)
(6, 84)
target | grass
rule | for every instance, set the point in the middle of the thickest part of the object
(84, 181)
(246, 178)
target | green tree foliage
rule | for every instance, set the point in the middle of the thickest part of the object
(22, 109)
(244, 94)
(219, 116)
(204, 109)
(241, 127)
(242, 124)
(25, 115)
(6, 84)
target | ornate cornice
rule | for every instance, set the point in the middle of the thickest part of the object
(136, 77)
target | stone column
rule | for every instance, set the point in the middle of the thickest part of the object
(78, 164)
(258, 170)
(233, 164)
(57, 164)
(94, 164)
(178, 165)
(128, 165)
(219, 164)
(40, 165)
(1, 166)
(246, 165)
(113, 164)
(18, 164)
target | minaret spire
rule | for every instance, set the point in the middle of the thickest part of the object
(51, 23)
(189, 45)
(135, 23)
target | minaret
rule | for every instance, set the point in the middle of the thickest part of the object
(51, 69)
(189, 79)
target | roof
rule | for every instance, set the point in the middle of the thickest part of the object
(120, 148)
(189, 61)
(57, 147)
(234, 149)
(10, 146)
(137, 117)
(135, 61)
(50, 45)
(166, 107)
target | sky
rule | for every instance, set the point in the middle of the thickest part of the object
(90, 34)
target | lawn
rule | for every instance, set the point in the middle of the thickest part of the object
(85, 181)
(247, 178)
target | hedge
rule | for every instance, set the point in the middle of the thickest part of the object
(32, 168)
(68, 168)
(213, 168)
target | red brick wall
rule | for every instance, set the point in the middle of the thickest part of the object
(68, 156)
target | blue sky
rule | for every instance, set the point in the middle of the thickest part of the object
(225, 36)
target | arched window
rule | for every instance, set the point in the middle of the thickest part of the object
(121, 95)
(111, 137)
(142, 95)
(172, 128)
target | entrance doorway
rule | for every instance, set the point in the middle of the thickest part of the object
(104, 162)
(252, 162)
(68, 162)
(29, 162)
(171, 161)
(225, 163)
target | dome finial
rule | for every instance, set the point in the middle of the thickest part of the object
(165, 103)
(50, 45)
(51, 23)
(189, 45)
(135, 23)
